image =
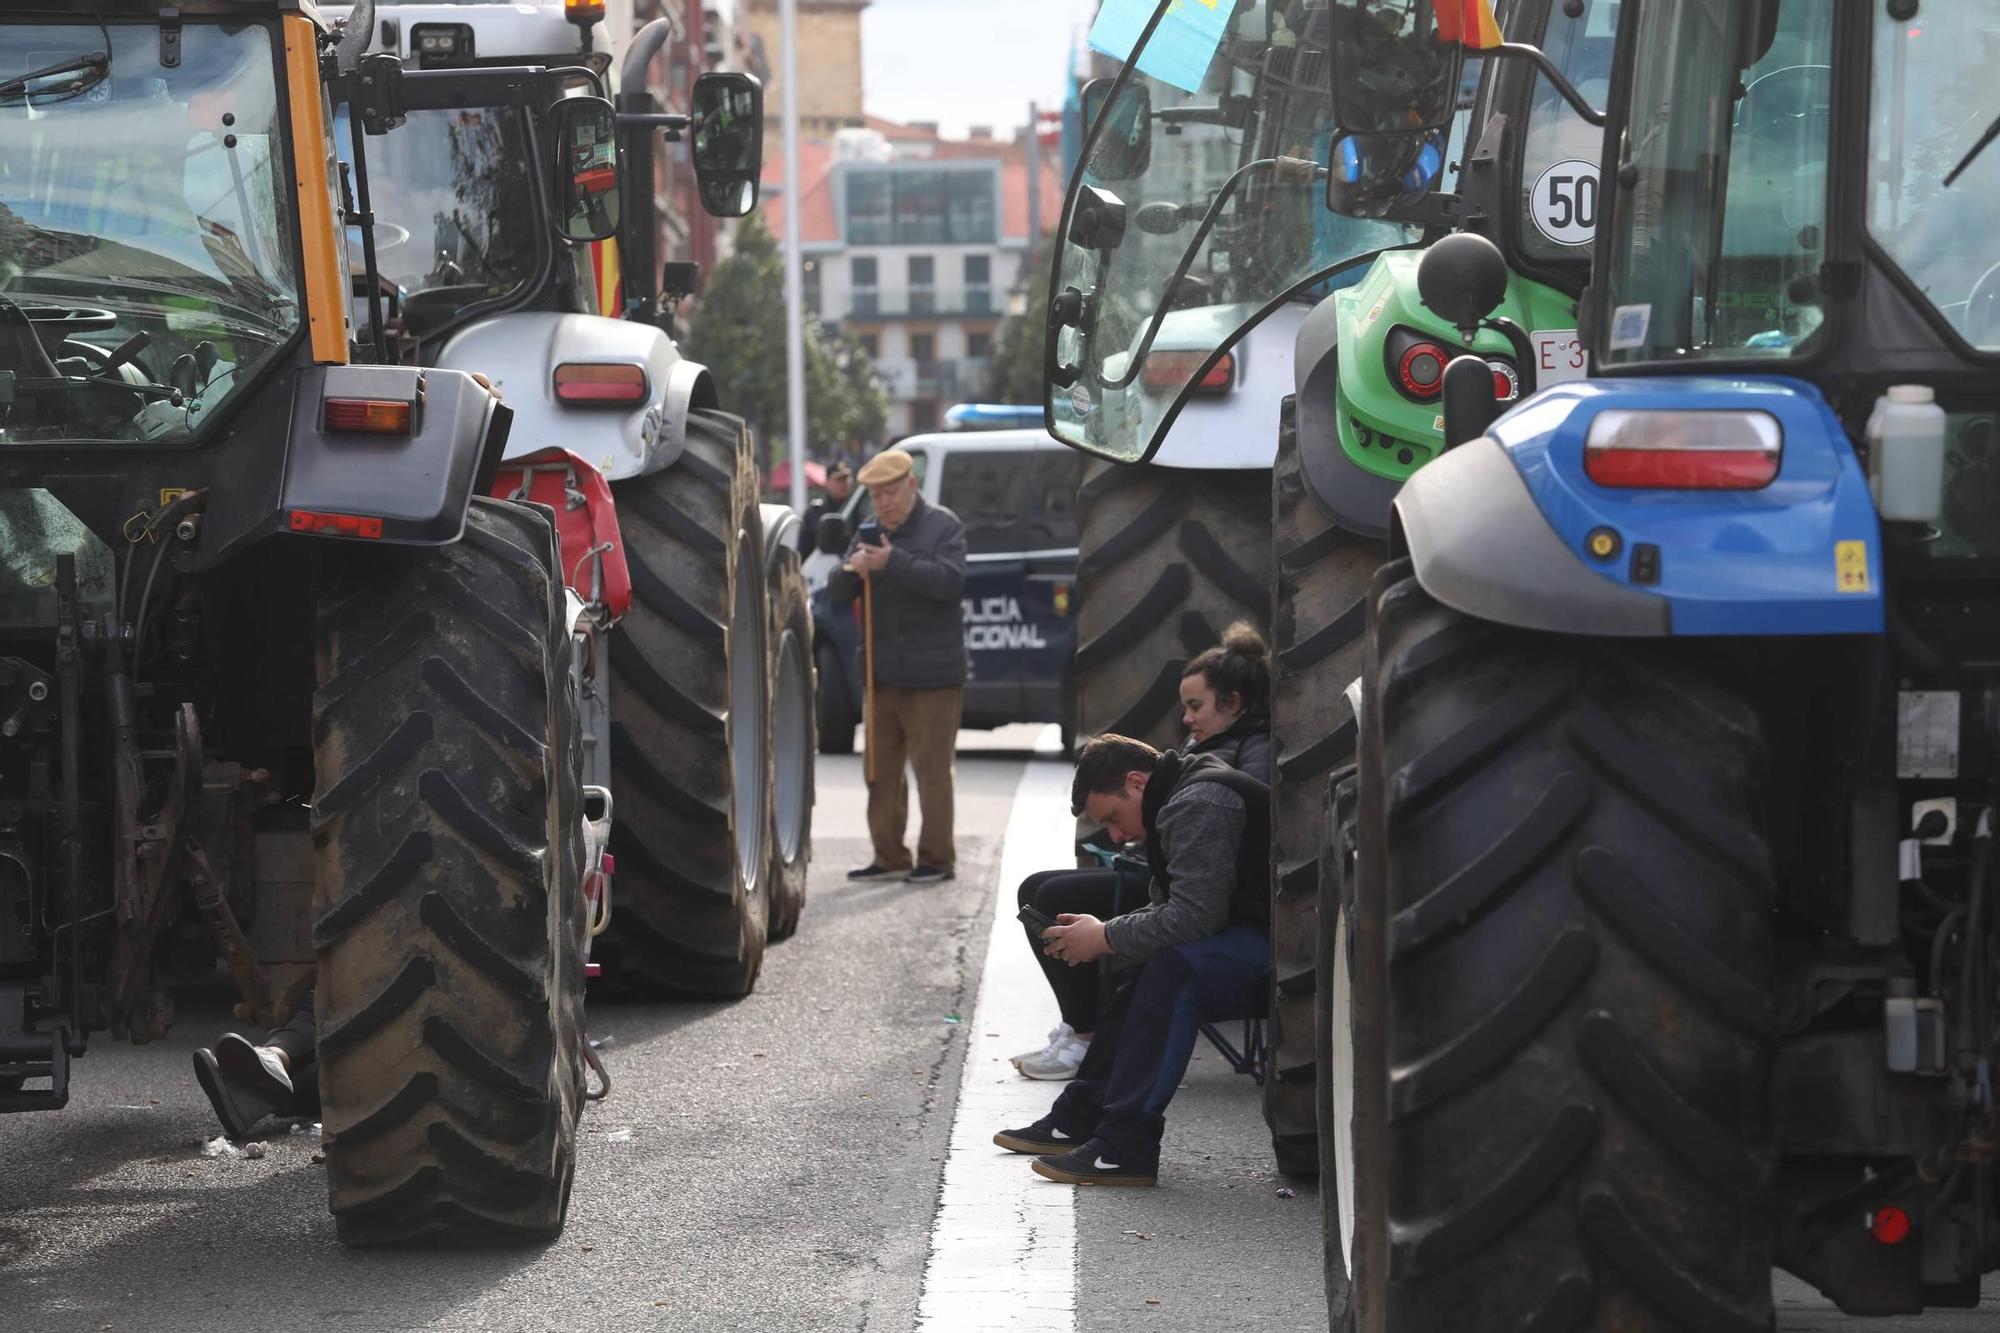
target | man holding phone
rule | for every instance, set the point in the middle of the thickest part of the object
(913, 558)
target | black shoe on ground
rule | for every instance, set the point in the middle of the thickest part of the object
(241, 1085)
(929, 875)
(1086, 1166)
(1038, 1138)
(873, 871)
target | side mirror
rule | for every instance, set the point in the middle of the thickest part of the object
(585, 130)
(1093, 97)
(1124, 142)
(832, 536)
(728, 135)
(1392, 71)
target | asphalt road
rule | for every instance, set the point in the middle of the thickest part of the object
(772, 1164)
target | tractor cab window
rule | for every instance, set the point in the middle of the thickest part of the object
(1207, 154)
(148, 254)
(1932, 98)
(456, 219)
(1720, 215)
(1559, 177)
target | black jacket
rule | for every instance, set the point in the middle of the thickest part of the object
(1246, 746)
(1208, 842)
(919, 623)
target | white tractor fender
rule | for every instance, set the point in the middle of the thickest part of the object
(520, 351)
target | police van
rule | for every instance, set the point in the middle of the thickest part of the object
(1015, 492)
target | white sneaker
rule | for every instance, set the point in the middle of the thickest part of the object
(1058, 1065)
(1058, 1034)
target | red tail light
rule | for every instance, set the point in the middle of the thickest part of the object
(1891, 1225)
(580, 382)
(335, 525)
(1689, 451)
(1421, 370)
(368, 416)
(1168, 371)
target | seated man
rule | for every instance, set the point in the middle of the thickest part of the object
(1203, 943)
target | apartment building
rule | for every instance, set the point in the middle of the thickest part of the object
(912, 242)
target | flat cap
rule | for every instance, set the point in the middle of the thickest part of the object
(885, 467)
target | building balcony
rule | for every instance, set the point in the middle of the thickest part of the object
(944, 303)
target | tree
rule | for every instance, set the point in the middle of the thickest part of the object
(738, 332)
(1015, 373)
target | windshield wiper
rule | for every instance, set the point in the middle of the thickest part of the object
(96, 63)
(1992, 132)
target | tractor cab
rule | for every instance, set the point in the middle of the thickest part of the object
(1203, 206)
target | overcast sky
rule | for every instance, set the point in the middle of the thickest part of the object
(968, 62)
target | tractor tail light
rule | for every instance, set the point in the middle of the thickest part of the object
(1420, 370)
(580, 382)
(1168, 371)
(1688, 451)
(1891, 1225)
(368, 416)
(583, 11)
(335, 525)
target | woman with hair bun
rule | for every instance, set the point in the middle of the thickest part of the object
(1226, 702)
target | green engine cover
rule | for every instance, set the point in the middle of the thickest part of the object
(1382, 430)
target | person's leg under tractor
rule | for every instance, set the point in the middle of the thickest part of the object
(247, 1081)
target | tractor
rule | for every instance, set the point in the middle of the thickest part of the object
(1204, 271)
(1657, 939)
(284, 690)
(699, 704)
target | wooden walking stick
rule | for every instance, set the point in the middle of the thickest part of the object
(868, 678)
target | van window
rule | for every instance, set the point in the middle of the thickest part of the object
(1014, 501)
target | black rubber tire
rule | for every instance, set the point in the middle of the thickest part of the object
(1322, 577)
(837, 720)
(690, 905)
(794, 716)
(1565, 839)
(1339, 830)
(449, 911)
(1167, 558)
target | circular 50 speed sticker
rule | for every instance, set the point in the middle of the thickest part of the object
(1563, 204)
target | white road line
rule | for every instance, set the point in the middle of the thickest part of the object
(1003, 1249)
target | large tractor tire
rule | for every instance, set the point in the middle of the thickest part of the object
(1333, 1009)
(1322, 576)
(690, 738)
(1561, 983)
(449, 915)
(1168, 557)
(794, 741)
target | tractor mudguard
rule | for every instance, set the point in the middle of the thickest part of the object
(402, 487)
(1504, 527)
(522, 351)
(1361, 434)
(782, 529)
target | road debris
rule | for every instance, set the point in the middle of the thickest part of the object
(253, 1150)
(220, 1146)
(1287, 1192)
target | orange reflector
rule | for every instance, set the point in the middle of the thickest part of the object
(335, 525)
(1170, 370)
(577, 382)
(583, 11)
(1891, 1225)
(373, 416)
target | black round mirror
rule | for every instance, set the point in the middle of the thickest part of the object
(1462, 279)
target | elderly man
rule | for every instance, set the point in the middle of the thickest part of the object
(916, 568)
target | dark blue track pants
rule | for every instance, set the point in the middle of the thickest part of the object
(1146, 1036)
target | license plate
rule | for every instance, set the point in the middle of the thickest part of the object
(1558, 356)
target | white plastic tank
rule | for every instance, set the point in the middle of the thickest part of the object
(1906, 454)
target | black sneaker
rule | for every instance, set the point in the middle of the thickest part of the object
(1040, 1137)
(928, 875)
(241, 1085)
(1087, 1166)
(873, 871)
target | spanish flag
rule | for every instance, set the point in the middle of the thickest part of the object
(1468, 23)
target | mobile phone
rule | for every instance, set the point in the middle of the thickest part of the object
(1035, 918)
(869, 533)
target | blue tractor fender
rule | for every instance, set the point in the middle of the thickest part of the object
(1509, 527)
